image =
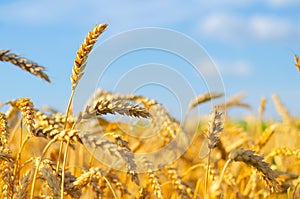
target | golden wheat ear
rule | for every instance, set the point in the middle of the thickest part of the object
(203, 98)
(23, 63)
(83, 52)
(297, 62)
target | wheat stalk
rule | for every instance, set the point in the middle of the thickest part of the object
(24, 64)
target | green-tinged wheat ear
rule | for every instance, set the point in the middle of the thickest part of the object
(203, 98)
(263, 168)
(83, 52)
(24, 64)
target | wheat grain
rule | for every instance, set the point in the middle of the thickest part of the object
(24, 64)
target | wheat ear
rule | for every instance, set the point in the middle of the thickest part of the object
(297, 62)
(27, 109)
(281, 109)
(262, 106)
(24, 64)
(203, 98)
(215, 127)
(83, 52)
(235, 101)
(284, 151)
(3, 129)
(121, 107)
(256, 161)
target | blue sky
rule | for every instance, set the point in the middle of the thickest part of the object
(251, 41)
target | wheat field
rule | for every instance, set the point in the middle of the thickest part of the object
(48, 154)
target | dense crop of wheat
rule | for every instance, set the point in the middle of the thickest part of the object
(44, 154)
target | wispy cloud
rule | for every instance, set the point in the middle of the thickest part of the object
(283, 3)
(237, 27)
(228, 68)
(235, 68)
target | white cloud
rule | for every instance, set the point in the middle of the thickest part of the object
(225, 68)
(268, 27)
(236, 28)
(138, 13)
(235, 68)
(283, 3)
(36, 12)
